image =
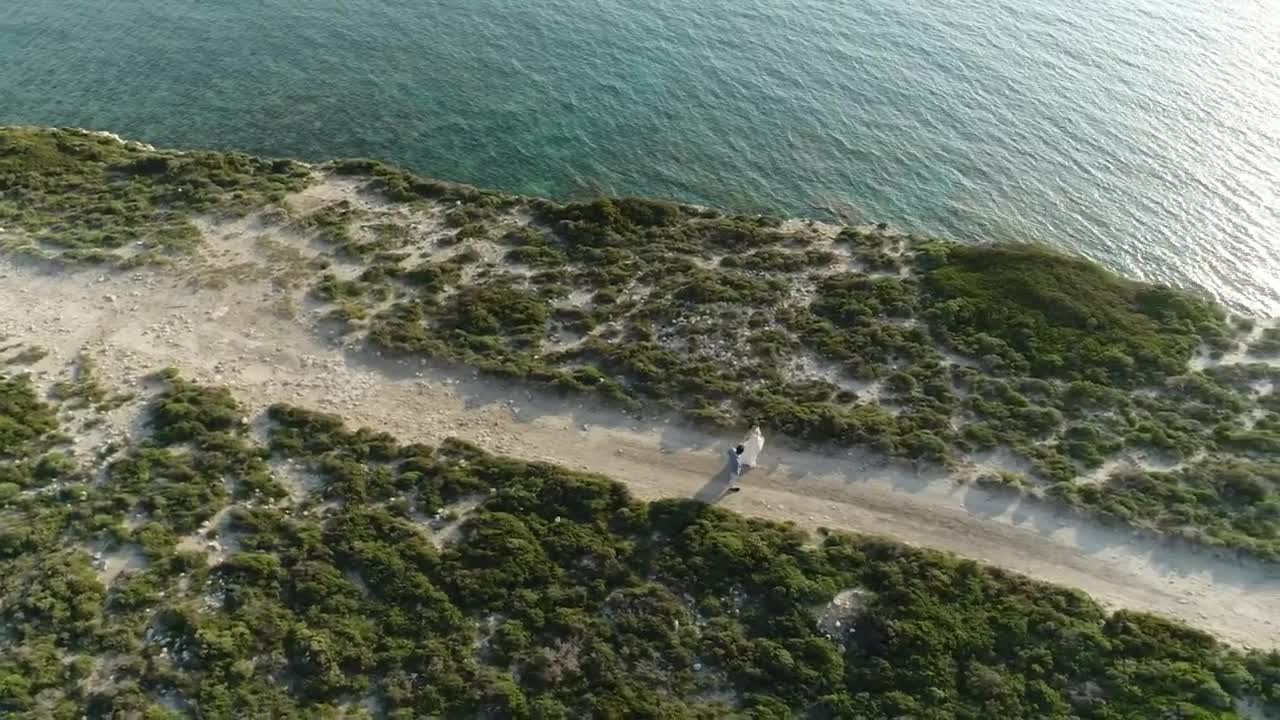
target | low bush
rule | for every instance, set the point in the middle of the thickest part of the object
(92, 194)
(1065, 317)
(559, 596)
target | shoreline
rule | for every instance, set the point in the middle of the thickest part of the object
(318, 231)
(828, 220)
(230, 337)
(263, 418)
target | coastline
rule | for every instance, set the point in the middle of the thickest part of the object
(532, 382)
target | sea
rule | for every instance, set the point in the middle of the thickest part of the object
(1144, 134)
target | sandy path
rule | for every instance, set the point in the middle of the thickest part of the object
(240, 336)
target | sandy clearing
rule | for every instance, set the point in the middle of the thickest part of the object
(136, 323)
(111, 564)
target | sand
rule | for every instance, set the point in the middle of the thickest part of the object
(237, 316)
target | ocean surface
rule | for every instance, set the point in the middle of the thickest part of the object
(1142, 133)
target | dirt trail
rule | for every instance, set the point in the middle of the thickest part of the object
(257, 337)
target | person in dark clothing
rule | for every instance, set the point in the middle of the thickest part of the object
(735, 468)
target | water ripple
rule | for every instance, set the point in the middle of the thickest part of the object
(1142, 133)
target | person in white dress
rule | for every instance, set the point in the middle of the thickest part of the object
(744, 456)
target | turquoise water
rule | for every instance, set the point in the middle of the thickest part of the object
(1142, 133)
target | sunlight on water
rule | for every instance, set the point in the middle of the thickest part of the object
(1142, 133)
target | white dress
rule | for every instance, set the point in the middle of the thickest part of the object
(752, 444)
(751, 447)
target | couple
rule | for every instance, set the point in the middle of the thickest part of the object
(744, 456)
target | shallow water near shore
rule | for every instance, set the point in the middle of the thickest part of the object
(1142, 134)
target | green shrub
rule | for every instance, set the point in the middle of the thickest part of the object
(1268, 344)
(560, 596)
(27, 425)
(91, 194)
(1063, 316)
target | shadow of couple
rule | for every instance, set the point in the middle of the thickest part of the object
(719, 484)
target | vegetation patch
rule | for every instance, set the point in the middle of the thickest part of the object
(1051, 315)
(921, 349)
(84, 390)
(1267, 345)
(928, 350)
(27, 424)
(90, 195)
(27, 356)
(1225, 502)
(561, 597)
